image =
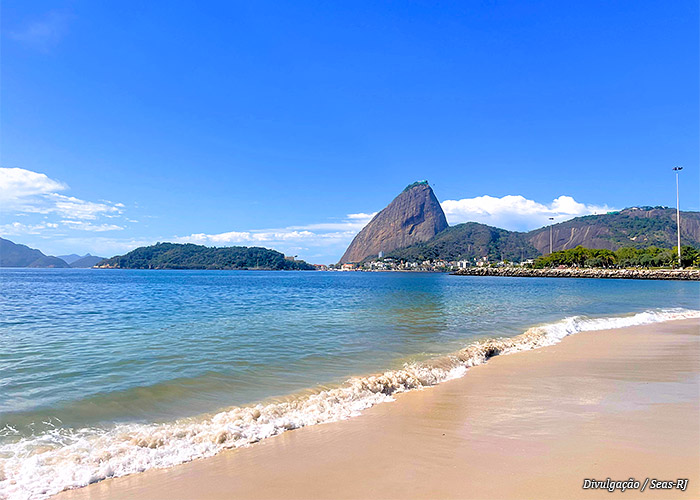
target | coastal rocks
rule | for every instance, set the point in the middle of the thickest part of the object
(414, 216)
(638, 274)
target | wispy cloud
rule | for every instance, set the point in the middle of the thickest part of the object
(326, 236)
(70, 206)
(44, 32)
(96, 245)
(515, 212)
(26, 192)
(352, 223)
(88, 226)
(17, 228)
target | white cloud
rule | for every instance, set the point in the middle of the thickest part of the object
(353, 223)
(362, 216)
(88, 226)
(24, 191)
(14, 228)
(96, 245)
(18, 183)
(68, 206)
(515, 212)
(268, 237)
(331, 236)
(53, 228)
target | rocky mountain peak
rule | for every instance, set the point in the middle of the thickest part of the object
(414, 216)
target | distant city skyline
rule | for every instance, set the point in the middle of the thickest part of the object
(289, 125)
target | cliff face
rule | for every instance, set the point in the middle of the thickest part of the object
(414, 216)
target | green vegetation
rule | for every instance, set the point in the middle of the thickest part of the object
(469, 241)
(14, 255)
(417, 183)
(189, 256)
(623, 257)
(638, 227)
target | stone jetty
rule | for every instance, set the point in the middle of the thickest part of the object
(573, 272)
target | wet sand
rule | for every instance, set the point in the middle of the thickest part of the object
(613, 404)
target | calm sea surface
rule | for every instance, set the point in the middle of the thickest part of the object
(96, 348)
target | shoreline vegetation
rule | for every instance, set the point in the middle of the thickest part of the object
(625, 262)
(624, 257)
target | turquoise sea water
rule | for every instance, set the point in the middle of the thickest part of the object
(89, 357)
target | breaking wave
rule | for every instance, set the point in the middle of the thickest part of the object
(39, 466)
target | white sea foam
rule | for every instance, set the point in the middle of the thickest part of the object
(37, 467)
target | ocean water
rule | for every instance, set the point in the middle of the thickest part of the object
(110, 372)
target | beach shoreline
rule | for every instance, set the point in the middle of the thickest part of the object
(616, 404)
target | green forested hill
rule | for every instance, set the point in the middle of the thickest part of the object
(468, 241)
(15, 255)
(638, 227)
(189, 256)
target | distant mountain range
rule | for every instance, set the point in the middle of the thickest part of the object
(407, 216)
(81, 261)
(87, 261)
(15, 255)
(159, 256)
(71, 258)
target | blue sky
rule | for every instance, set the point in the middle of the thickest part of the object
(286, 124)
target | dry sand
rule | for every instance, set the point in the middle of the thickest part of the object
(613, 404)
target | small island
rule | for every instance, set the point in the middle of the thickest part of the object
(190, 256)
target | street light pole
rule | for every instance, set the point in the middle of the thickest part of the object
(678, 214)
(550, 236)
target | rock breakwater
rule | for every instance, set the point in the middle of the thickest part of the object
(636, 274)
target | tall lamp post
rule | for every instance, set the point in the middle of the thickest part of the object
(550, 235)
(678, 214)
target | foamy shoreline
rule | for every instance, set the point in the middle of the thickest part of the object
(135, 448)
(618, 403)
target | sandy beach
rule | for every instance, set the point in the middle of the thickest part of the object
(615, 404)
